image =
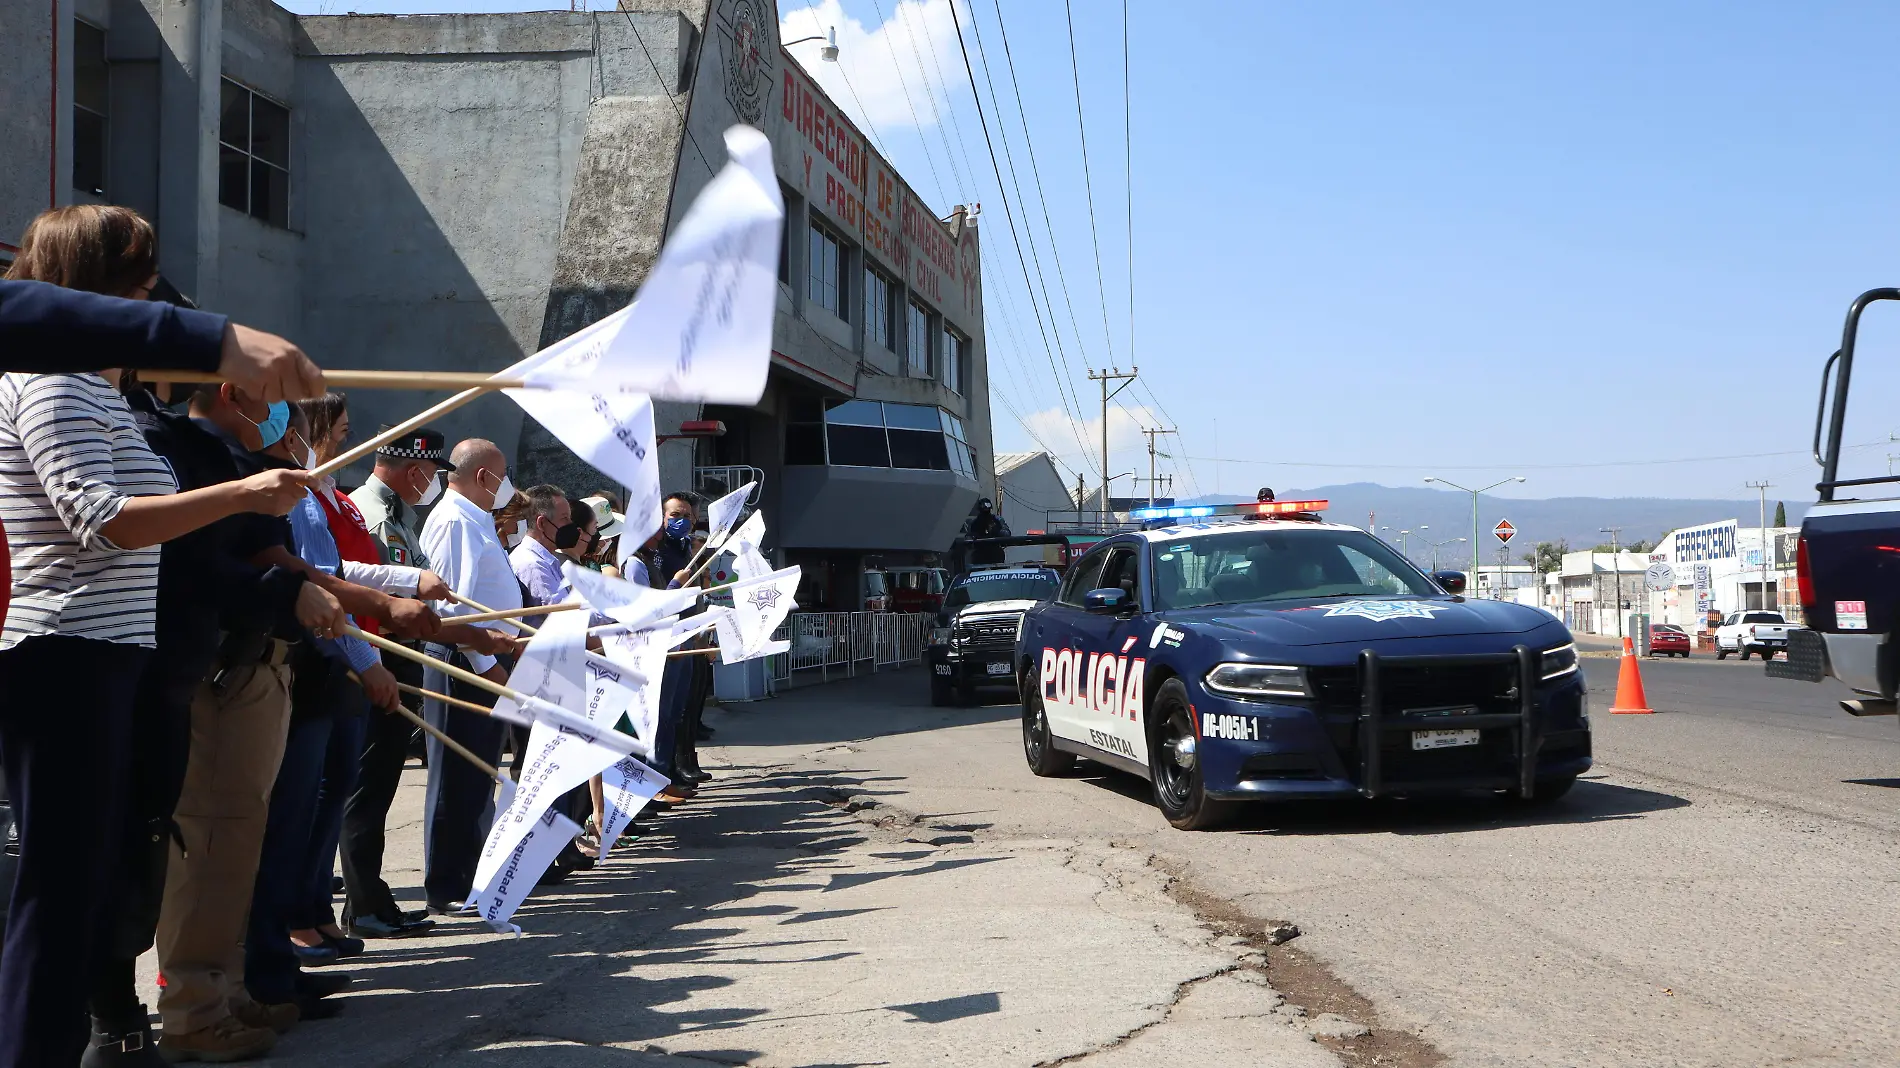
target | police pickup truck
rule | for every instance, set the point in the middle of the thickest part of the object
(974, 641)
(1254, 653)
(1847, 561)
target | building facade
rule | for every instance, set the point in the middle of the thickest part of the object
(456, 191)
(1720, 567)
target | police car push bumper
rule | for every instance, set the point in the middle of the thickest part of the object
(1256, 748)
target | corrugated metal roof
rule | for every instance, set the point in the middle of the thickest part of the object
(1010, 461)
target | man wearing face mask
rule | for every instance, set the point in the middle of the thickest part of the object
(405, 477)
(551, 537)
(462, 546)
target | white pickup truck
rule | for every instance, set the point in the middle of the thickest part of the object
(1752, 632)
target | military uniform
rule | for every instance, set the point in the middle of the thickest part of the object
(369, 908)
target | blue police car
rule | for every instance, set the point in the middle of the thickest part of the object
(1266, 655)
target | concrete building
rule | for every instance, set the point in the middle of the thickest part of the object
(1718, 568)
(456, 191)
(1591, 584)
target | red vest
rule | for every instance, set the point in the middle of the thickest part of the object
(353, 539)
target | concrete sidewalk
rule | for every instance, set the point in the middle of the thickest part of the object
(786, 918)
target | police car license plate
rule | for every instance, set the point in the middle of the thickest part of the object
(1443, 739)
(999, 668)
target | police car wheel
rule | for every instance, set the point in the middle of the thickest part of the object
(1039, 748)
(1545, 791)
(1172, 762)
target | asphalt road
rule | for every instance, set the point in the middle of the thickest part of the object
(1720, 891)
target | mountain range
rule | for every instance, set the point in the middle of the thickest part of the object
(1439, 515)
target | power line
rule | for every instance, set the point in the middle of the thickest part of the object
(1527, 467)
(1029, 145)
(876, 138)
(930, 95)
(901, 81)
(1128, 178)
(931, 39)
(1069, 406)
(677, 110)
(1088, 183)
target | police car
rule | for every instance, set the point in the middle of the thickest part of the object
(1255, 652)
(974, 641)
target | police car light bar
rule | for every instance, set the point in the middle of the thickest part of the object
(1204, 511)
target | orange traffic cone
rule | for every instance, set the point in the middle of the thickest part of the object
(1630, 700)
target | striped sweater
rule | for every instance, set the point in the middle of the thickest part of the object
(70, 455)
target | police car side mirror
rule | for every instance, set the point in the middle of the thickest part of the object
(1107, 601)
(1453, 581)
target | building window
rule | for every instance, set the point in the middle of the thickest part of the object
(880, 311)
(254, 155)
(91, 95)
(785, 237)
(917, 341)
(956, 351)
(828, 289)
(863, 433)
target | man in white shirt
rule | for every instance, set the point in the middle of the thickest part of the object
(460, 543)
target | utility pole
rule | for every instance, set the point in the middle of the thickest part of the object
(1474, 511)
(1616, 564)
(1105, 377)
(1151, 432)
(1764, 487)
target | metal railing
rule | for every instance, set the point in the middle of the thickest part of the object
(715, 482)
(846, 644)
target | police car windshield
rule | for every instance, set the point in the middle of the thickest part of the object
(1279, 564)
(1001, 586)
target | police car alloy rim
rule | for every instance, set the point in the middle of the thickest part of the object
(1175, 759)
(1035, 729)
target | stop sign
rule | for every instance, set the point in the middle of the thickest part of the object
(1504, 531)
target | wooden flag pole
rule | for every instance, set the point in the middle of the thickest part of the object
(453, 672)
(449, 743)
(366, 379)
(480, 607)
(350, 456)
(491, 614)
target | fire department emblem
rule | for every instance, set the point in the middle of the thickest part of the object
(749, 44)
(1380, 611)
(763, 598)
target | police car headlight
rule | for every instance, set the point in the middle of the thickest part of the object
(940, 635)
(1258, 680)
(1560, 661)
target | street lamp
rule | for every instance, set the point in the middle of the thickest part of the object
(829, 53)
(1474, 510)
(1437, 545)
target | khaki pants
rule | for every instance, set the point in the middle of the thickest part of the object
(237, 743)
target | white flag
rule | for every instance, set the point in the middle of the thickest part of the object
(701, 328)
(625, 789)
(645, 652)
(611, 430)
(693, 626)
(759, 605)
(627, 602)
(502, 893)
(611, 690)
(551, 678)
(722, 513)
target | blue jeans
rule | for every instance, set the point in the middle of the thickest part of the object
(676, 686)
(270, 961)
(340, 763)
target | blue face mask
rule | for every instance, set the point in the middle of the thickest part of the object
(275, 424)
(679, 527)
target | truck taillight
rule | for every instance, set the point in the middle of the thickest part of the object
(1803, 577)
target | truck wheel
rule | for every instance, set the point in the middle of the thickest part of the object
(1767, 654)
(1546, 791)
(1721, 653)
(939, 691)
(1746, 649)
(1039, 746)
(1175, 767)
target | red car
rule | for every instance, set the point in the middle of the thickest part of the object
(1667, 639)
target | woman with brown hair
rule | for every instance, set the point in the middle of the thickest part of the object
(86, 504)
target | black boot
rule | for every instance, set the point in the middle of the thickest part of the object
(124, 1044)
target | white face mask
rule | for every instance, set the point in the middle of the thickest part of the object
(430, 492)
(503, 493)
(309, 458)
(515, 539)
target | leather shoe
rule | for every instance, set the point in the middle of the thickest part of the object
(321, 984)
(227, 1040)
(129, 1044)
(345, 947)
(700, 775)
(437, 908)
(377, 927)
(316, 956)
(417, 916)
(277, 1017)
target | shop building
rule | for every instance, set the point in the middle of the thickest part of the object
(455, 191)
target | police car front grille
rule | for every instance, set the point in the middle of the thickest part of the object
(1488, 687)
(984, 633)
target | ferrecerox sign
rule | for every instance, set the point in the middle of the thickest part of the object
(1716, 542)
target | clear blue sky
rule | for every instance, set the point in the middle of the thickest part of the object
(1385, 240)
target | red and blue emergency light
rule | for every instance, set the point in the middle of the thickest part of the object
(1259, 509)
